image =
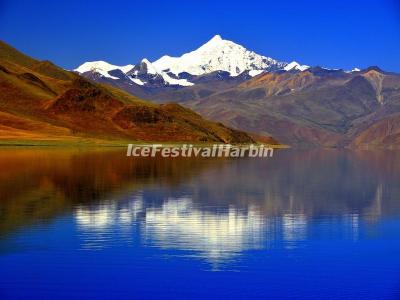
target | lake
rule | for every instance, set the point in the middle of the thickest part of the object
(95, 224)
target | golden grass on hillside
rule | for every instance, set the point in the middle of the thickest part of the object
(40, 101)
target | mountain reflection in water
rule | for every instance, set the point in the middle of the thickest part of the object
(177, 224)
(216, 236)
(325, 222)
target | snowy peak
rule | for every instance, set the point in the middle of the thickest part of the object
(102, 68)
(143, 73)
(214, 42)
(146, 74)
(216, 38)
(148, 66)
(218, 55)
(144, 67)
(294, 65)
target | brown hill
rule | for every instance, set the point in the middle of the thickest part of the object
(316, 107)
(385, 133)
(40, 101)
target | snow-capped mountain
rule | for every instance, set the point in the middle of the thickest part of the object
(145, 73)
(217, 55)
(294, 65)
(102, 68)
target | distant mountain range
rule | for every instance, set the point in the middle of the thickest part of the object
(217, 55)
(297, 104)
(42, 103)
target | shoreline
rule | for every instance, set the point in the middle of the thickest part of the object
(112, 144)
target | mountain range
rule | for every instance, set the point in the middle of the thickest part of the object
(225, 58)
(297, 104)
(43, 103)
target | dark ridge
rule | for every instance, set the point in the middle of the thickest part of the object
(131, 115)
(4, 69)
(33, 80)
(117, 73)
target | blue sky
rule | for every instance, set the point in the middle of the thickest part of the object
(342, 34)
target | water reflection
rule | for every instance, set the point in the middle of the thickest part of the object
(39, 184)
(103, 225)
(294, 227)
(176, 224)
(213, 210)
(217, 237)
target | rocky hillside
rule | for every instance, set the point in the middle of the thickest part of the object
(40, 101)
(315, 107)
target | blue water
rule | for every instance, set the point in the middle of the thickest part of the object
(299, 225)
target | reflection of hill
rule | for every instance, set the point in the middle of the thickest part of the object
(214, 236)
(186, 229)
(252, 204)
(320, 182)
(40, 184)
(176, 224)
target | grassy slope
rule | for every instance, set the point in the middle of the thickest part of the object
(42, 103)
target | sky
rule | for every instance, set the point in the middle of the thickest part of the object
(333, 34)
